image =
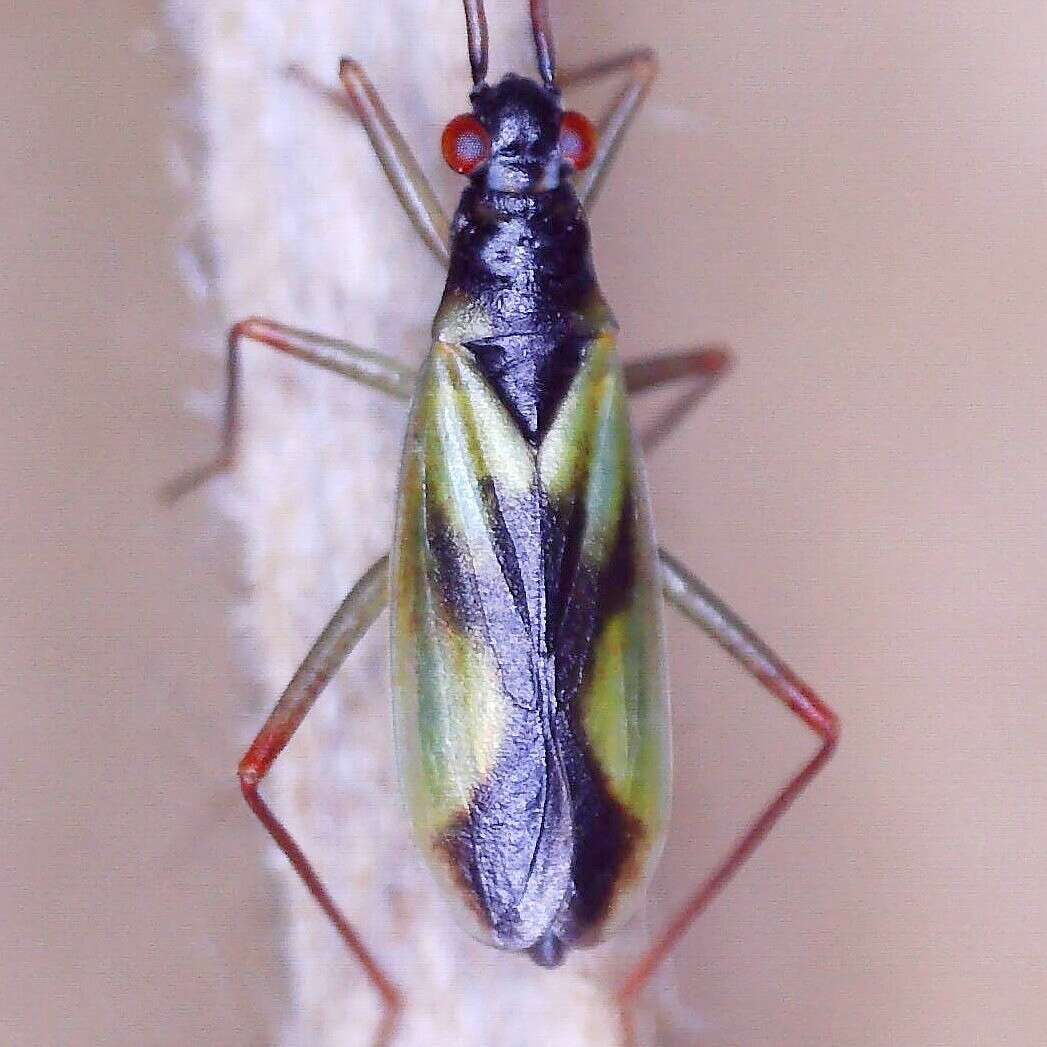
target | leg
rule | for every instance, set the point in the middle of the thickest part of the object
(714, 617)
(643, 67)
(702, 367)
(361, 365)
(355, 616)
(401, 168)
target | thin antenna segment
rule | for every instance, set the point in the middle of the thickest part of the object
(543, 41)
(476, 28)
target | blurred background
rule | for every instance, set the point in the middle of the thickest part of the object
(854, 198)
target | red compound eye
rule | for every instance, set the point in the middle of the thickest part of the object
(577, 140)
(466, 144)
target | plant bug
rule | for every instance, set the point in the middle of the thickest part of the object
(524, 583)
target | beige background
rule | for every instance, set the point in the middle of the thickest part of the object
(855, 199)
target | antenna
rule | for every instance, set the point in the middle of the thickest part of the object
(476, 28)
(543, 41)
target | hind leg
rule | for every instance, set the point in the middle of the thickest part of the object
(351, 621)
(706, 610)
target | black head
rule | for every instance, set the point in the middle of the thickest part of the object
(517, 139)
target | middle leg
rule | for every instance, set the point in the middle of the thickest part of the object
(350, 361)
(701, 368)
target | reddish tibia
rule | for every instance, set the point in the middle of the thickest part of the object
(392, 998)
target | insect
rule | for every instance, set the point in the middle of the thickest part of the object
(524, 583)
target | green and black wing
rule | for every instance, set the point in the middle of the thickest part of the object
(527, 654)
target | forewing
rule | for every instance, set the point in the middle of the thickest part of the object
(461, 644)
(606, 627)
(473, 694)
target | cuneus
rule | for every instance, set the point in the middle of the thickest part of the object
(524, 583)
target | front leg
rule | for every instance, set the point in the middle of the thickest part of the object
(405, 175)
(642, 67)
(706, 610)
